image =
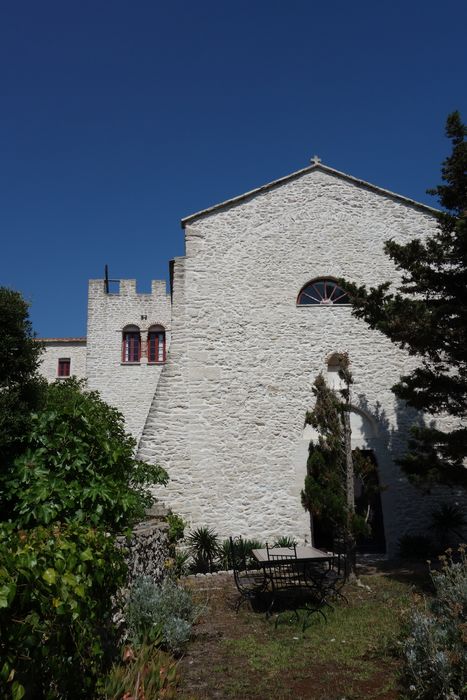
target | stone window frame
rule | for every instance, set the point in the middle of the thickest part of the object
(320, 300)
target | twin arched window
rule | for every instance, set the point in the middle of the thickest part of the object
(133, 348)
(323, 290)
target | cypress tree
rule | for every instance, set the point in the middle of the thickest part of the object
(332, 465)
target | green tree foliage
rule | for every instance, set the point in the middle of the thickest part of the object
(78, 464)
(56, 586)
(427, 316)
(20, 387)
(325, 491)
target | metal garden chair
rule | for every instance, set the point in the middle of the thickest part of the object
(250, 583)
(291, 584)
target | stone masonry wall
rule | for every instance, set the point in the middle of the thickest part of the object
(227, 420)
(129, 387)
(74, 349)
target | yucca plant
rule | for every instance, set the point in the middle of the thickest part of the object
(285, 541)
(243, 550)
(204, 547)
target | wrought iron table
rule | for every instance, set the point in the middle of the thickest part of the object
(296, 574)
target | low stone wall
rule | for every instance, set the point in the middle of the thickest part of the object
(146, 550)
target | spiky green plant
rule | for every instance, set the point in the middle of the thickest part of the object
(204, 547)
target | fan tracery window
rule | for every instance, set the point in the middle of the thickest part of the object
(322, 291)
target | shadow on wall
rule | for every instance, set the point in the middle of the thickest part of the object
(408, 510)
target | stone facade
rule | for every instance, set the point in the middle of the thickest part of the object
(55, 349)
(225, 414)
(128, 386)
(227, 419)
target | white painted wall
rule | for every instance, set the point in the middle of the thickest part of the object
(58, 348)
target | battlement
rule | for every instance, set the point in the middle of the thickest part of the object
(125, 288)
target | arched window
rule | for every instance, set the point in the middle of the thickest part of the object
(334, 365)
(156, 344)
(131, 344)
(322, 291)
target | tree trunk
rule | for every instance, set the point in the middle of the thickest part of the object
(350, 493)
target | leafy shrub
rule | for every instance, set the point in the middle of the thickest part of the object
(56, 585)
(147, 670)
(434, 651)
(203, 545)
(415, 547)
(156, 612)
(176, 527)
(79, 464)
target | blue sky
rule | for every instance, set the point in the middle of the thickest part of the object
(118, 118)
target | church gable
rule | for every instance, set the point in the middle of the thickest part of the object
(316, 167)
(315, 223)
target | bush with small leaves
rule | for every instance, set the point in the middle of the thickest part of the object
(164, 612)
(434, 652)
(176, 527)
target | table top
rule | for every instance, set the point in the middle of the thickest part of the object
(305, 553)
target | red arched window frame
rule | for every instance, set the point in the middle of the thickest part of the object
(131, 344)
(156, 345)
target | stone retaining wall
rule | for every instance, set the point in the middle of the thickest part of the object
(146, 551)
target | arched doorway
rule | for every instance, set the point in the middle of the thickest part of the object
(367, 496)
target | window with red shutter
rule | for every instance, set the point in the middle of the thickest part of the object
(131, 344)
(156, 344)
(64, 364)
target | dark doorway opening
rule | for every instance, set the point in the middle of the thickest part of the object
(368, 504)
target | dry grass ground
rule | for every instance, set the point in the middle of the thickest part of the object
(352, 656)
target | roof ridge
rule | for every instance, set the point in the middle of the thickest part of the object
(299, 173)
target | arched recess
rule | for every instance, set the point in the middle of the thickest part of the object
(131, 344)
(365, 437)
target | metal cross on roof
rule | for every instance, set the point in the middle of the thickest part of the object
(316, 160)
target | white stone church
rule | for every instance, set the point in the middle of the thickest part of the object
(214, 378)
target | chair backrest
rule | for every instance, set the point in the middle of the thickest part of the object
(272, 555)
(287, 573)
